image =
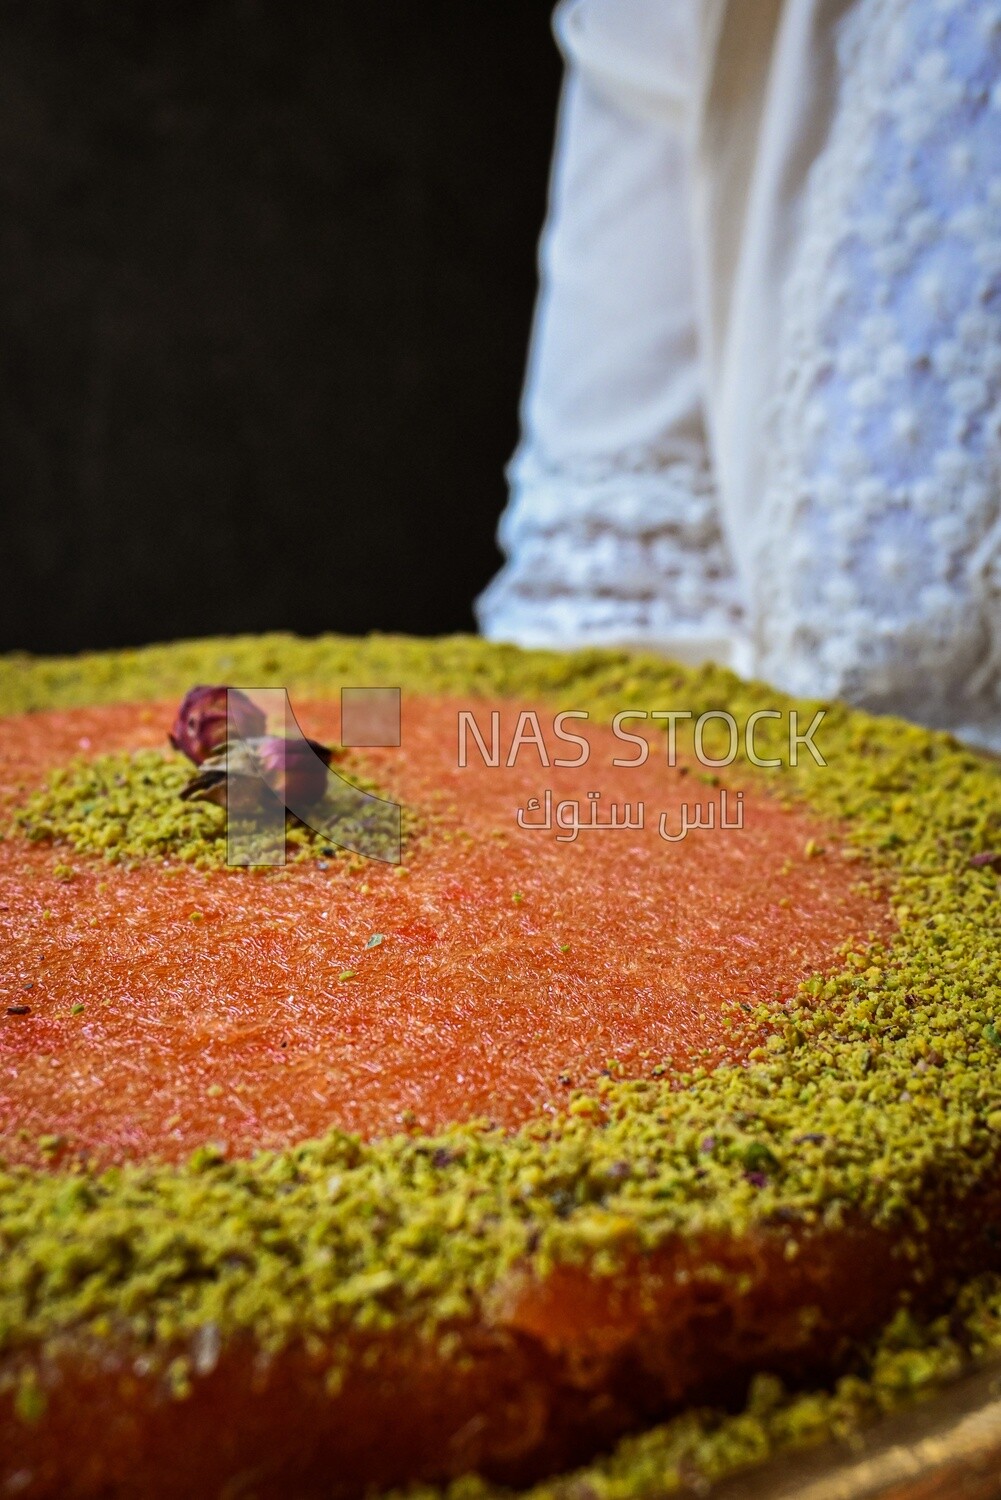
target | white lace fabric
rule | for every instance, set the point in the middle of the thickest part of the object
(878, 571)
(854, 385)
(626, 552)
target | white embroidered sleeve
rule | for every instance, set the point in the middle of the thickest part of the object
(612, 532)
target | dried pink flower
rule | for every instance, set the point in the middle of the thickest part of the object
(294, 769)
(201, 727)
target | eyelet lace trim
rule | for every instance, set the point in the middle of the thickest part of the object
(626, 548)
(879, 569)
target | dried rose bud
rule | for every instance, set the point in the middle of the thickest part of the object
(295, 769)
(201, 727)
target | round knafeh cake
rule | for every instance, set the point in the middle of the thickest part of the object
(643, 1119)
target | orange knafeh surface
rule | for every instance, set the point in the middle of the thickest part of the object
(249, 1009)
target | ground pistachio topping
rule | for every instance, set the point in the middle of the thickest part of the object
(126, 808)
(875, 1094)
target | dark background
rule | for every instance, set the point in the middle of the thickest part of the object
(266, 278)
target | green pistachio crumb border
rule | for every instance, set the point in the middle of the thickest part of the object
(125, 808)
(876, 1094)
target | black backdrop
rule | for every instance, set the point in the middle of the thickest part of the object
(266, 277)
